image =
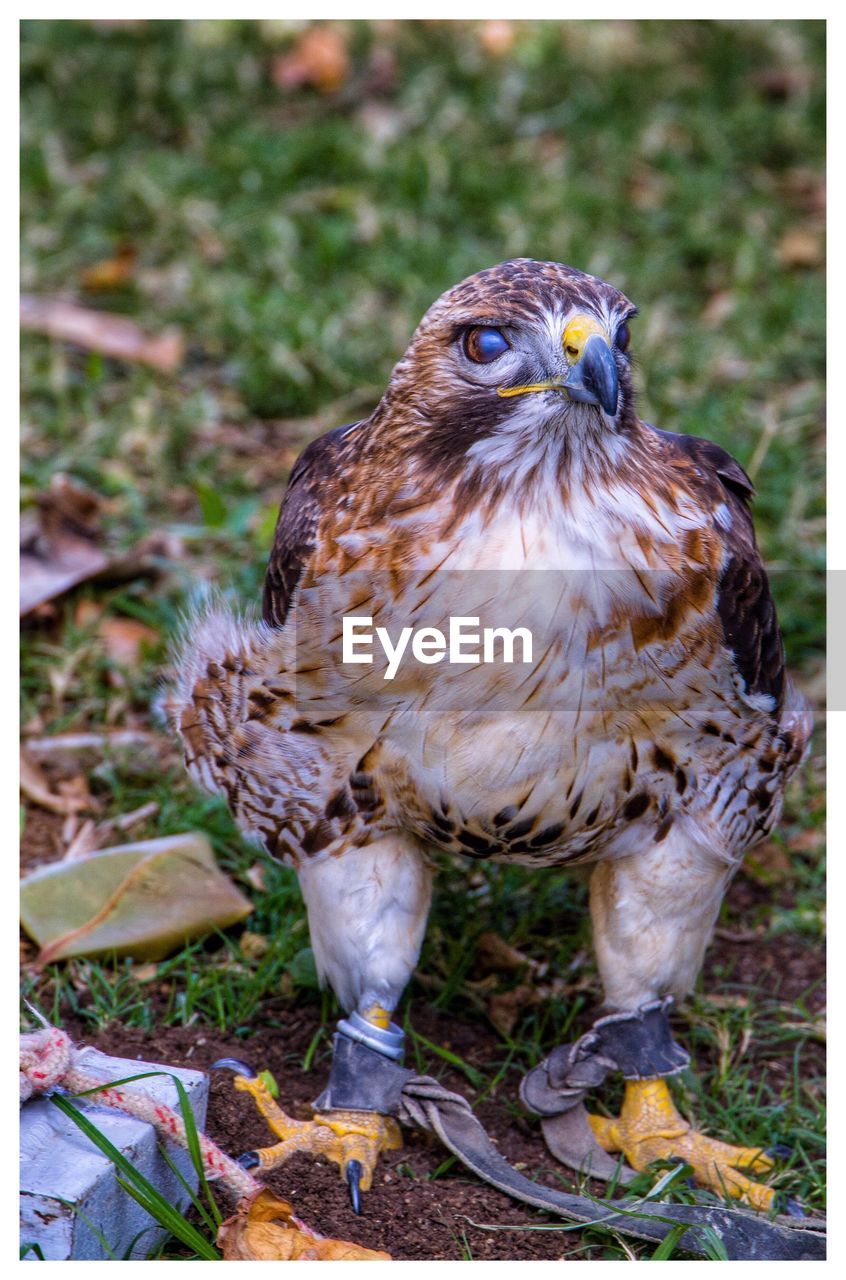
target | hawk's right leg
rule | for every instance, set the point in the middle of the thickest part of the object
(367, 910)
(653, 914)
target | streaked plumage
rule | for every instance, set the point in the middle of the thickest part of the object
(656, 730)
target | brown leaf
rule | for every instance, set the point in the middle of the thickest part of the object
(61, 545)
(126, 821)
(493, 955)
(124, 639)
(265, 1229)
(319, 58)
(35, 787)
(88, 838)
(505, 1009)
(113, 335)
(112, 272)
(53, 561)
(801, 248)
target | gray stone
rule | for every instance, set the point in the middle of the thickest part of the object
(69, 1195)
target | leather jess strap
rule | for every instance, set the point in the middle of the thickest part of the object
(426, 1105)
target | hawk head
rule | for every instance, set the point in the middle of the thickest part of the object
(522, 356)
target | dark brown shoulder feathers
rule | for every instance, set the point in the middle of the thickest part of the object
(311, 485)
(744, 602)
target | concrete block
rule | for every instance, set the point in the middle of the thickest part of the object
(69, 1192)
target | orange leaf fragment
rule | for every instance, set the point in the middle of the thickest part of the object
(112, 272)
(497, 36)
(265, 1229)
(319, 59)
(801, 247)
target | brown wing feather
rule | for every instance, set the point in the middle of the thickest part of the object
(744, 603)
(309, 488)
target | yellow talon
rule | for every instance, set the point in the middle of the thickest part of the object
(341, 1136)
(650, 1128)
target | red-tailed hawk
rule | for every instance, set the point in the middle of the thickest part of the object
(506, 481)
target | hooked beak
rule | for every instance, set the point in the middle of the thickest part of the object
(594, 378)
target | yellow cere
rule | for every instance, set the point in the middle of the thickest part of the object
(576, 334)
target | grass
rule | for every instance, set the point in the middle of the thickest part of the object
(295, 238)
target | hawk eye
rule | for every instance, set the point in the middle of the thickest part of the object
(624, 337)
(483, 344)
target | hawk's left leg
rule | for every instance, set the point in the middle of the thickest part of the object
(367, 910)
(653, 914)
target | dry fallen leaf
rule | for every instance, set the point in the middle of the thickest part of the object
(61, 546)
(319, 58)
(60, 542)
(801, 248)
(35, 787)
(142, 899)
(505, 1009)
(87, 837)
(494, 955)
(87, 612)
(113, 335)
(265, 1229)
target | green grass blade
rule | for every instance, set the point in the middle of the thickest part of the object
(142, 1189)
(667, 1247)
(193, 1138)
(202, 1210)
(475, 1077)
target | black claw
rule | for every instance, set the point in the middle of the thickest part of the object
(354, 1172)
(249, 1160)
(235, 1064)
(779, 1151)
